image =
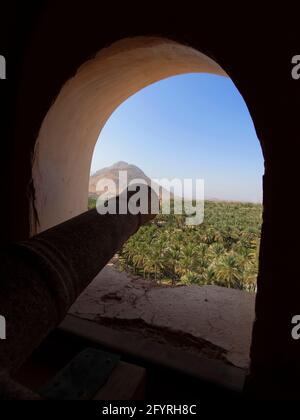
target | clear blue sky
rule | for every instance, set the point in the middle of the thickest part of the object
(187, 126)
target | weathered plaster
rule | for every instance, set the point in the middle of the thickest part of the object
(212, 321)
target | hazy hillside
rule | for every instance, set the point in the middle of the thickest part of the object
(112, 172)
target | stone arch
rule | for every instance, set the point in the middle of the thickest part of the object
(72, 125)
(272, 97)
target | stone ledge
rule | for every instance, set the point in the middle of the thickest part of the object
(203, 331)
(143, 348)
(210, 321)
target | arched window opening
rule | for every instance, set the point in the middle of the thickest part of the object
(171, 285)
(188, 127)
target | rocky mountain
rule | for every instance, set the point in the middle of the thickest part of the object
(112, 172)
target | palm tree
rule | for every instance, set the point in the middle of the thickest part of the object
(209, 276)
(216, 250)
(171, 262)
(223, 250)
(156, 256)
(249, 280)
(190, 278)
(187, 259)
(228, 270)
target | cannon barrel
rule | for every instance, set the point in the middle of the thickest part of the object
(42, 277)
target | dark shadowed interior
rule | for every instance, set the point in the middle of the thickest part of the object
(43, 275)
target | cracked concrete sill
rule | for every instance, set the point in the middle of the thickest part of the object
(199, 330)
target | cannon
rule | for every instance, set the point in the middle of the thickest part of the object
(42, 277)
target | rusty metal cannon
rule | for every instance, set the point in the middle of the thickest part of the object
(42, 277)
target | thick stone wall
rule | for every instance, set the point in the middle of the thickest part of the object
(56, 40)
